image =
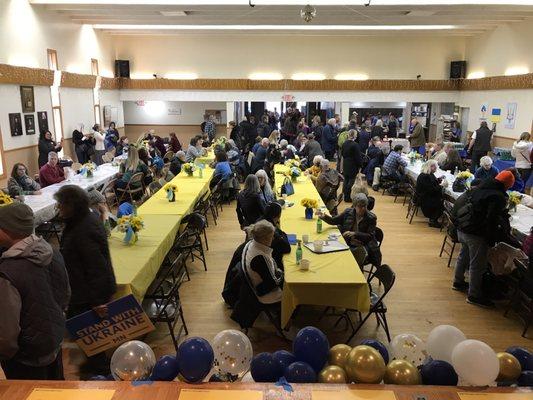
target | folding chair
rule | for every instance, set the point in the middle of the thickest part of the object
(135, 187)
(521, 300)
(153, 187)
(108, 191)
(450, 238)
(168, 156)
(190, 241)
(386, 277)
(412, 207)
(47, 229)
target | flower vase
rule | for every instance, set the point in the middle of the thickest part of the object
(412, 161)
(512, 209)
(89, 173)
(131, 240)
(308, 213)
(171, 196)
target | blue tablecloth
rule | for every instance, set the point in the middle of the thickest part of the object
(502, 164)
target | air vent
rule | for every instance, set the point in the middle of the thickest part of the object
(174, 13)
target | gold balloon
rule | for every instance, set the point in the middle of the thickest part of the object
(510, 368)
(402, 372)
(332, 374)
(364, 364)
(338, 355)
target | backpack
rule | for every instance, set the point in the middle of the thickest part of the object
(464, 214)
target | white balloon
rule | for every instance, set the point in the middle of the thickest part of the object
(233, 352)
(442, 340)
(409, 347)
(132, 361)
(475, 362)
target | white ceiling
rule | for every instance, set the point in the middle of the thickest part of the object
(468, 19)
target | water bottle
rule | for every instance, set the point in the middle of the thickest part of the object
(299, 253)
(318, 225)
(201, 172)
(456, 172)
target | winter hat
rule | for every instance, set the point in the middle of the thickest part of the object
(95, 197)
(507, 178)
(17, 218)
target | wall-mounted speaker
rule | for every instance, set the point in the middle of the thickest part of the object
(122, 69)
(458, 70)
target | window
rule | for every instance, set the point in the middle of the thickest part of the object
(96, 91)
(57, 116)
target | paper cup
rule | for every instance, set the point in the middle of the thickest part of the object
(284, 196)
(304, 264)
(319, 245)
(305, 238)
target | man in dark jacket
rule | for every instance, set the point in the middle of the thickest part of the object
(482, 220)
(311, 149)
(351, 163)
(35, 292)
(480, 144)
(329, 139)
(86, 252)
(248, 131)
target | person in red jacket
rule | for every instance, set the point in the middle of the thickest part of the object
(51, 172)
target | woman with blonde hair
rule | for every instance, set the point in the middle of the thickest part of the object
(274, 137)
(429, 193)
(130, 167)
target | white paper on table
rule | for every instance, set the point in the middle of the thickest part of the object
(328, 247)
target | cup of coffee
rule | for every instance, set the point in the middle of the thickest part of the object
(304, 264)
(284, 196)
(305, 238)
(319, 245)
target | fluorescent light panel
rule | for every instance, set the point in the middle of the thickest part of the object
(290, 2)
(136, 27)
(476, 75)
(517, 71)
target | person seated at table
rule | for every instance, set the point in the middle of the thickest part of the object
(267, 194)
(522, 151)
(358, 227)
(486, 169)
(280, 243)
(259, 265)
(327, 184)
(439, 153)
(177, 161)
(453, 161)
(375, 159)
(132, 166)
(174, 143)
(20, 184)
(51, 172)
(429, 193)
(35, 294)
(250, 203)
(85, 249)
(258, 161)
(393, 167)
(47, 145)
(311, 148)
(257, 144)
(159, 146)
(288, 151)
(314, 170)
(122, 146)
(519, 183)
(144, 156)
(195, 149)
(223, 171)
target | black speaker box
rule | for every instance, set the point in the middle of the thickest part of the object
(122, 69)
(458, 70)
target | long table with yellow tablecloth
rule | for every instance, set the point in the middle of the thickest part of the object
(136, 266)
(334, 279)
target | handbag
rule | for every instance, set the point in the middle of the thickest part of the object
(287, 187)
(459, 186)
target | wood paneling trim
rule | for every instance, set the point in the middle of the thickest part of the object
(109, 83)
(498, 83)
(26, 76)
(68, 79)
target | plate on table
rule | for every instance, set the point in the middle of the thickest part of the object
(329, 246)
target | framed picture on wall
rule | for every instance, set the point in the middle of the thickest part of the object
(27, 99)
(29, 123)
(42, 120)
(15, 123)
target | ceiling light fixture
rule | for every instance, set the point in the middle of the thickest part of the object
(137, 27)
(516, 71)
(476, 75)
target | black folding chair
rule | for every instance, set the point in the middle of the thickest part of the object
(385, 277)
(190, 240)
(412, 207)
(521, 300)
(450, 238)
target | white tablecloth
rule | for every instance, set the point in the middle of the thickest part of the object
(522, 220)
(43, 205)
(388, 144)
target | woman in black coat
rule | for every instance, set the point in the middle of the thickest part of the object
(250, 203)
(87, 259)
(46, 145)
(351, 163)
(429, 193)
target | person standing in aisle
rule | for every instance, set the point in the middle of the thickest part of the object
(329, 139)
(480, 144)
(418, 137)
(351, 163)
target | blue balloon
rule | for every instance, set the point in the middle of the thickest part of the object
(523, 355)
(526, 378)
(99, 378)
(438, 372)
(311, 346)
(264, 368)
(300, 372)
(376, 344)
(165, 369)
(283, 358)
(195, 359)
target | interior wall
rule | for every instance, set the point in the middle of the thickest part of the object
(27, 32)
(237, 56)
(170, 112)
(507, 46)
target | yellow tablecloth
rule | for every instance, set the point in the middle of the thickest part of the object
(334, 279)
(207, 159)
(190, 188)
(136, 266)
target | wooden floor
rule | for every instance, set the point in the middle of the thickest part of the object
(421, 299)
